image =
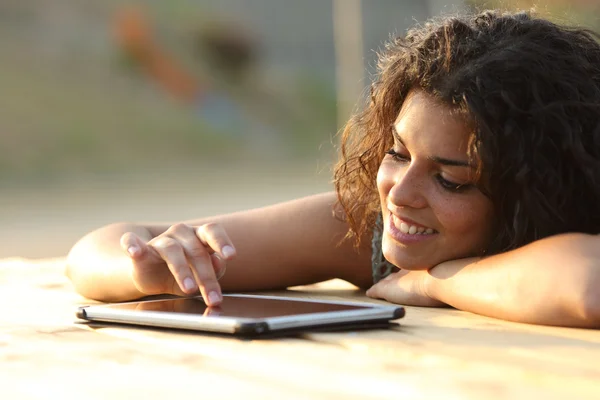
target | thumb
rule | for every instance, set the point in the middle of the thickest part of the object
(373, 291)
(378, 289)
(135, 247)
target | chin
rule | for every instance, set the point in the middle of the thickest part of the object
(408, 266)
(408, 262)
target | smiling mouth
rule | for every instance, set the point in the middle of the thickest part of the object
(410, 229)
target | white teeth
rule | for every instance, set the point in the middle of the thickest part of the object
(414, 230)
(404, 228)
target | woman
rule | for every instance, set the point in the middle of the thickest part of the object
(471, 179)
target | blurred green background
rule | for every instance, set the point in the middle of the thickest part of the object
(170, 110)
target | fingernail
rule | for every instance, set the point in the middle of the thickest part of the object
(227, 251)
(189, 284)
(133, 250)
(214, 298)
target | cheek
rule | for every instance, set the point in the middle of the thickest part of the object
(469, 218)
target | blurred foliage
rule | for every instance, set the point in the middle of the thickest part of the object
(73, 102)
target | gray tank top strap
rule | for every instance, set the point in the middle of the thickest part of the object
(381, 267)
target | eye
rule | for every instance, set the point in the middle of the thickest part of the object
(397, 156)
(451, 186)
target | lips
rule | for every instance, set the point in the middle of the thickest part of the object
(400, 231)
(410, 227)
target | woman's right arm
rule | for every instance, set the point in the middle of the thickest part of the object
(292, 243)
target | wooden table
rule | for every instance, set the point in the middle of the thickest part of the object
(435, 353)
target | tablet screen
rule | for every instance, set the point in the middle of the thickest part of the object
(241, 307)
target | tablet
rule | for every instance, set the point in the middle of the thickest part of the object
(243, 314)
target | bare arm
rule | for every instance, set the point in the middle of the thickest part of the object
(278, 246)
(554, 281)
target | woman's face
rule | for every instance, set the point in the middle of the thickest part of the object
(432, 211)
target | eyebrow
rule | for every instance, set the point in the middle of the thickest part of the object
(436, 159)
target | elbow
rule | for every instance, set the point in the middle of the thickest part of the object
(83, 279)
(584, 278)
(590, 306)
(82, 262)
(75, 271)
(73, 262)
(590, 302)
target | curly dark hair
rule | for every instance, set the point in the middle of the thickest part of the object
(532, 90)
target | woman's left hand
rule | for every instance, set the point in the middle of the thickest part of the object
(405, 287)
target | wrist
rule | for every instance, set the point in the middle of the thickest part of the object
(431, 285)
(438, 280)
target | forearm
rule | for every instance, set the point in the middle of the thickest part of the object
(555, 281)
(282, 245)
(99, 268)
(291, 243)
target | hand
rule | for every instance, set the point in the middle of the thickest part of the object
(180, 261)
(405, 287)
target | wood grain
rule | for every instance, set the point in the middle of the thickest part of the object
(434, 353)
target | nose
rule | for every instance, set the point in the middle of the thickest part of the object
(408, 189)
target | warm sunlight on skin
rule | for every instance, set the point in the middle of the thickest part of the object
(432, 212)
